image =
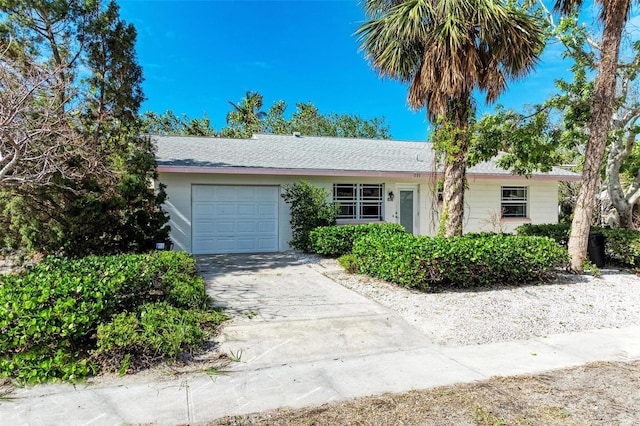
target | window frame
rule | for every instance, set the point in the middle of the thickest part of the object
(514, 201)
(359, 201)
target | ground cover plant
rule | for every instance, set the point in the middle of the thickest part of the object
(428, 263)
(336, 241)
(67, 319)
(622, 245)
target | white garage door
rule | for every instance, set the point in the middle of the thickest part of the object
(234, 219)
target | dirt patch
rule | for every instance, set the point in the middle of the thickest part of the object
(601, 393)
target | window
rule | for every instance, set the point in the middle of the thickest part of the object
(358, 201)
(514, 201)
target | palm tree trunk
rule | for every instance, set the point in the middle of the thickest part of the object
(453, 194)
(455, 169)
(603, 107)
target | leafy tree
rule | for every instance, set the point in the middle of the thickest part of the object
(170, 124)
(38, 55)
(99, 199)
(247, 118)
(613, 15)
(447, 49)
(558, 131)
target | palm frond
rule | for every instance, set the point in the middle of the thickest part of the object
(567, 7)
(448, 48)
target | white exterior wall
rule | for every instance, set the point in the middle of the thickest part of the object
(482, 199)
(482, 204)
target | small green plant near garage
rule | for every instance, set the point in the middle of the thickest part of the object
(310, 209)
(428, 263)
(349, 262)
(67, 319)
(335, 241)
(622, 245)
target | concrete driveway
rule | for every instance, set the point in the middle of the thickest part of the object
(285, 312)
(303, 340)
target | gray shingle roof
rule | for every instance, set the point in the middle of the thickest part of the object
(288, 152)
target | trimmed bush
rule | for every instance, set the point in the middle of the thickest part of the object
(50, 314)
(556, 231)
(426, 263)
(335, 241)
(621, 245)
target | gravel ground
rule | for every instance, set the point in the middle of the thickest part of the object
(570, 303)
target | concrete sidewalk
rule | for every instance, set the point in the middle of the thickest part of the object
(304, 340)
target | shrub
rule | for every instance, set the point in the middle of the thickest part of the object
(621, 245)
(556, 231)
(349, 262)
(309, 210)
(132, 341)
(49, 315)
(335, 241)
(424, 263)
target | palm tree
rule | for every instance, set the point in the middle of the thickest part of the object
(244, 119)
(613, 15)
(446, 49)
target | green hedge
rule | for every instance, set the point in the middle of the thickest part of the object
(335, 241)
(50, 314)
(621, 245)
(424, 263)
(556, 231)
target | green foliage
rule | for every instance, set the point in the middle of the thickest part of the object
(529, 143)
(426, 263)
(556, 231)
(245, 117)
(622, 245)
(168, 123)
(135, 340)
(309, 210)
(349, 262)
(97, 198)
(335, 241)
(50, 314)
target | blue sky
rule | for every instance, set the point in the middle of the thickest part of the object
(196, 55)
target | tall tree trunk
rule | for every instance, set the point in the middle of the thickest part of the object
(453, 195)
(603, 107)
(455, 168)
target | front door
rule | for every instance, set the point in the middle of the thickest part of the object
(408, 203)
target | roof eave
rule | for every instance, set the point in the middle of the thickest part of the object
(326, 172)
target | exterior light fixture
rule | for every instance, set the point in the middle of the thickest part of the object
(390, 196)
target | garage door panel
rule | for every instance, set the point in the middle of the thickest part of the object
(247, 244)
(266, 244)
(225, 209)
(222, 245)
(267, 210)
(247, 193)
(234, 219)
(246, 210)
(266, 227)
(247, 227)
(223, 228)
